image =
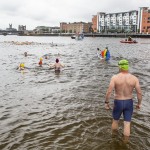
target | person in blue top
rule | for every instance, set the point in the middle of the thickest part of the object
(107, 54)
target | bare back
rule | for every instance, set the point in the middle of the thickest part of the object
(124, 83)
(58, 66)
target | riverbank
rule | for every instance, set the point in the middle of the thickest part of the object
(122, 35)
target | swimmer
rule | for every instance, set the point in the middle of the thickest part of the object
(40, 62)
(21, 66)
(99, 53)
(57, 66)
(46, 57)
(123, 84)
(25, 54)
(107, 55)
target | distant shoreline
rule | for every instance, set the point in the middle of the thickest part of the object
(117, 35)
(121, 35)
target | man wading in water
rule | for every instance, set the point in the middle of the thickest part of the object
(123, 84)
(57, 66)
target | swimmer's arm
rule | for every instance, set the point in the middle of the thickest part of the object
(51, 65)
(109, 90)
(62, 65)
(139, 92)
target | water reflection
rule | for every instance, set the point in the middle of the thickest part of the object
(40, 109)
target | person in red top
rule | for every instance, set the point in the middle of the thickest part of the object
(102, 54)
(40, 62)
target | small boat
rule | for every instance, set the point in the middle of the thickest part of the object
(130, 42)
(4, 33)
(73, 36)
(78, 36)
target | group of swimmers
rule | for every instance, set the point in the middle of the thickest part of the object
(57, 65)
(104, 54)
(122, 84)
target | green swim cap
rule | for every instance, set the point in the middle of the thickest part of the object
(123, 64)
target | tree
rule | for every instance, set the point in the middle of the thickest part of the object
(103, 31)
(62, 31)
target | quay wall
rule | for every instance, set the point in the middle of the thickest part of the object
(121, 35)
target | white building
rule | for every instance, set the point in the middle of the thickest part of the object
(42, 29)
(55, 29)
(123, 21)
(21, 28)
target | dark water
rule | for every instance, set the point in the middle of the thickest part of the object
(41, 110)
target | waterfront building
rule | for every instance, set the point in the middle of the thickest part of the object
(55, 29)
(21, 28)
(45, 29)
(76, 27)
(42, 29)
(101, 20)
(144, 20)
(117, 22)
(63, 27)
(94, 23)
(28, 32)
(11, 29)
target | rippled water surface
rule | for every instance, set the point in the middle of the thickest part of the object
(41, 110)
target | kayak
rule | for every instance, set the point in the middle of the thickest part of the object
(130, 42)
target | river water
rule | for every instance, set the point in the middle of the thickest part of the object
(41, 110)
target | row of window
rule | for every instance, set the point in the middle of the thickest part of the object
(119, 15)
(117, 25)
(120, 22)
(148, 27)
(133, 20)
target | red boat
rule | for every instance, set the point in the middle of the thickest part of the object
(130, 42)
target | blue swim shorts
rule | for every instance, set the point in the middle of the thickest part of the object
(123, 106)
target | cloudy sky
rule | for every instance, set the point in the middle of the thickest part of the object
(34, 13)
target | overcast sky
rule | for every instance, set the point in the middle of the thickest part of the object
(33, 13)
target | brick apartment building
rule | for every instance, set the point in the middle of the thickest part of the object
(94, 23)
(144, 20)
(76, 27)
